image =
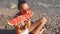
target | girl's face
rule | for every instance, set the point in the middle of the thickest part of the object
(24, 8)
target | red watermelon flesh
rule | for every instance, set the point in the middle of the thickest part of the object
(20, 18)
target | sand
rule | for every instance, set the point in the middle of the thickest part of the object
(40, 8)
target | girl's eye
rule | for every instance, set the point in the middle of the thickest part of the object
(22, 9)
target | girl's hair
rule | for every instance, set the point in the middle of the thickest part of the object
(20, 2)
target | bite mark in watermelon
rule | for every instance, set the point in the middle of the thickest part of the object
(20, 18)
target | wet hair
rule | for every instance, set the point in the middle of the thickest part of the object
(20, 2)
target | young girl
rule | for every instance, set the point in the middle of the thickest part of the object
(26, 27)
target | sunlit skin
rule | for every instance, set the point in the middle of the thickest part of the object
(36, 27)
(24, 8)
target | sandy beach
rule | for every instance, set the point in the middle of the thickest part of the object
(50, 9)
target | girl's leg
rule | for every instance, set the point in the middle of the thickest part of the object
(40, 26)
(41, 31)
(37, 26)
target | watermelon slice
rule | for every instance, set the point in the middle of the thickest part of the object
(20, 18)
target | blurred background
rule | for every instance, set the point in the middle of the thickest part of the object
(50, 9)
